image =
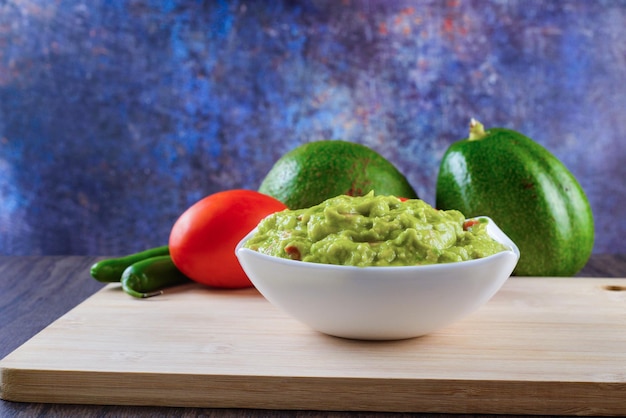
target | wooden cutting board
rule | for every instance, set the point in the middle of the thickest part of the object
(540, 346)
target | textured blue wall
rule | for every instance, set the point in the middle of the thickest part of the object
(116, 116)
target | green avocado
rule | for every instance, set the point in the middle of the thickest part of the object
(528, 193)
(319, 170)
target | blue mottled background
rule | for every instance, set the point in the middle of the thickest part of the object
(115, 116)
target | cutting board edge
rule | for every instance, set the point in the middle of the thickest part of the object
(315, 393)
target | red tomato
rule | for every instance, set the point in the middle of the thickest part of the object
(203, 240)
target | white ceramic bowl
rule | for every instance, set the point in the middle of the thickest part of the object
(379, 303)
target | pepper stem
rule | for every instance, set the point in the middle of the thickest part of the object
(139, 294)
(151, 294)
(476, 131)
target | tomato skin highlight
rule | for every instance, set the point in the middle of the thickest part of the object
(203, 239)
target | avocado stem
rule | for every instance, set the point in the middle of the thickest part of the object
(477, 130)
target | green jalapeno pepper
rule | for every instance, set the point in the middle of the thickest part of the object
(147, 278)
(111, 269)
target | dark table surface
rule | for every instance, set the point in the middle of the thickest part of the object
(35, 291)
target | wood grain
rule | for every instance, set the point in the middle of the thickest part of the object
(36, 290)
(541, 346)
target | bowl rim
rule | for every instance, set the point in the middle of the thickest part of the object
(492, 229)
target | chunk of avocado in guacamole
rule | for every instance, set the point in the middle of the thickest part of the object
(373, 231)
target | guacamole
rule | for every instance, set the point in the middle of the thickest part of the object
(373, 231)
